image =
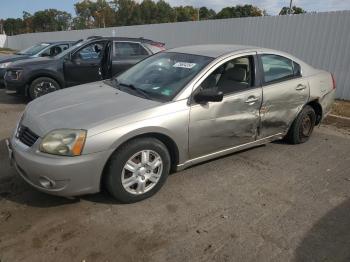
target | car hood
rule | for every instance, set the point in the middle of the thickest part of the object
(11, 58)
(82, 107)
(31, 62)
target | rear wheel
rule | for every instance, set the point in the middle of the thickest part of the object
(137, 170)
(42, 86)
(302, 127)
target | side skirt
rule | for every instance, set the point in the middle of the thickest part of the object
(227, 151)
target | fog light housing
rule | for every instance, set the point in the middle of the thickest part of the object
(46, 182)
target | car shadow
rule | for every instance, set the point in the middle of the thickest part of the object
(329, 238)
(12, 99)
(15, 189)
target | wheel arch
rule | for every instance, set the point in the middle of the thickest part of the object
(164, 138)
(43, 74)
(316, 106)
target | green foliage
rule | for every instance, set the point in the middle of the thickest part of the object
(239, 11)
(107, 13)
(295, 10)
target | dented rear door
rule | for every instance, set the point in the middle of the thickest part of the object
(283, 98)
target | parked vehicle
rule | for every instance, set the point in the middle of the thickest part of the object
(39, 50)
(170, 111)
(91, 60)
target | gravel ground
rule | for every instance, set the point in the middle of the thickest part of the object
(272, 203)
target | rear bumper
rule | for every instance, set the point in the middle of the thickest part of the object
(61, 176)
(327, 102)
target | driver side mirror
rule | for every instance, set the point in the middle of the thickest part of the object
(208, 95)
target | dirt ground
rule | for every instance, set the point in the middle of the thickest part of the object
(272, 203)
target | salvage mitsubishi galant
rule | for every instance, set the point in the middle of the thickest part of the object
(168, 112)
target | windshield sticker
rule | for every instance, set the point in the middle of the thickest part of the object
(185, 65)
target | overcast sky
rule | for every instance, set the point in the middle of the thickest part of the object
(14, 8)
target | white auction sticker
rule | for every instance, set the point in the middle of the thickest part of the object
(184, 65)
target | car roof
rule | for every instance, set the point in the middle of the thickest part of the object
(214, 50)
(58, 42)
(132, 39)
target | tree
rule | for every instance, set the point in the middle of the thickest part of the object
(127, 12)
(149, 11)
(295, 10)
(239, 11)
(186, 13)
(28, 22)
(165, 12)
(51, 20)
(205, 13)
(13, 26)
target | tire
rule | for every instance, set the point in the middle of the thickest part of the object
(125, 185)
(302, 127)
(42, 86)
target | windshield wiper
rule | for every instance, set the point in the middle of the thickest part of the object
(138, 90)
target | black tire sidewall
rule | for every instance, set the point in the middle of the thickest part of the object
(294, 135)
(118, 160)
(38, 80)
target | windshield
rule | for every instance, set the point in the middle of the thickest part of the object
(164, 75)
(33, 50)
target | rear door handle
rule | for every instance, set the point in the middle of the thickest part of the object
(252, 100)
(300, 87)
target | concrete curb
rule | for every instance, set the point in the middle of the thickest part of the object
(340, 121)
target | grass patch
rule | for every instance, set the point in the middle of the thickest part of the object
(341, 108)
(4, 50)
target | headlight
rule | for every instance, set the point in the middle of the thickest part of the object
(64, 142)
(5, 65)
(13, 74)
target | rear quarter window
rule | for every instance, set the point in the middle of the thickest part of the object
(129, 49)
(278, 68)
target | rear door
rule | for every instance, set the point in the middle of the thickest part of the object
(216, 126)
(85, 64)
(126, 54)
(285, 92)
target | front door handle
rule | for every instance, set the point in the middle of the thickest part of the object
(251, 100)
(300, 87)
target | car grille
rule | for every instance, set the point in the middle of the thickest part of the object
(26, 136)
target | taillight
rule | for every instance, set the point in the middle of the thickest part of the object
(334, 82)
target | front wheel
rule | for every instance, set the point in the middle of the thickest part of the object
(42, 86)
(302, 127)
(137, 170)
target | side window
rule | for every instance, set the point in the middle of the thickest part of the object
(64, 47)
(126, 49)
(278, 68)
(233, 76)
(90, 52)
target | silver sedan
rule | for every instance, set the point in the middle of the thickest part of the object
(170, 111)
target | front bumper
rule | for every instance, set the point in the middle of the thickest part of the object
(56, 175)
(18, 86)
(2, 75)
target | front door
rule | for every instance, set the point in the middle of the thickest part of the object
(216, 126)
(285, 93)
(85, 64)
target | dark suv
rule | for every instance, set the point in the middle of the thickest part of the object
(94, 59)
(38, 50)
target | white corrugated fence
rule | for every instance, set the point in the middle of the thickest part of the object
(321, 39)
